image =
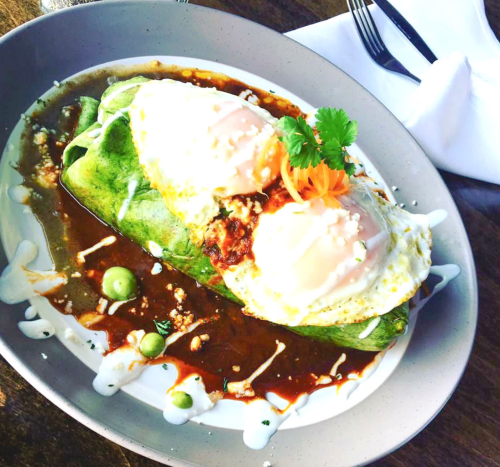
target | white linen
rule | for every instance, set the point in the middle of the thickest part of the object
(455, 112)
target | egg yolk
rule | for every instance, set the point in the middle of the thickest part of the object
(243, 134)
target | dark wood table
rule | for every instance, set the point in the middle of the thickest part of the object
(34, 432)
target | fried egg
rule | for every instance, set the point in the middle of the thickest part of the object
(198, 145)
(314, 265)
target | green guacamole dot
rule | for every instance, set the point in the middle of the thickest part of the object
(119, 284)
(182, 400)
(152, 345)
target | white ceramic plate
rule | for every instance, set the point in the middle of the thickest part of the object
(372, 428)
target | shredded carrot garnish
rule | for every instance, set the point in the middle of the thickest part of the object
(289, 185)
(314, 182)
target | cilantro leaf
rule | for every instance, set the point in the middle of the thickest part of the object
(224, 384)
(333, 155)
(334, 125)
(300, 142)
(163, 327)
(306, 158)
(225, 213)
(350, 168)
(336, 132)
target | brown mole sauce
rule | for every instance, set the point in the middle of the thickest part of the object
(235, 340)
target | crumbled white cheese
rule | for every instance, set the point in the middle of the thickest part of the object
(254, 131)
(359, 250)
(157, 269)
(102, 305)
(352, 227)
(244, 95)
(195, 344)
(174, 337)
(237, 135)
(180, 295)
(155, 249)
(265, 173)
(253, 99)
(71, 336)
(40, 138)
(135, 337)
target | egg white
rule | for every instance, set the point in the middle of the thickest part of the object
(399, 272)
(198, 145)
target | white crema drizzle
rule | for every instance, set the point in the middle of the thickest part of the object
(370, 328)
(194, 386)
(262, 420)
(17, 283)
(19, 194)
(121, 366)
(37, 329)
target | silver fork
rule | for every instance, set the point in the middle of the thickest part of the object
(372, 41)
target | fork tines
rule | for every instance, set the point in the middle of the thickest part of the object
(372, 41)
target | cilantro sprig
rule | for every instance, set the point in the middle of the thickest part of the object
(163, 327)
(336, 132)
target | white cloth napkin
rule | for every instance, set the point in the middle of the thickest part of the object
(455, 112)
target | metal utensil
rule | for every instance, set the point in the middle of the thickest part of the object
(372, 41)
(406, 28)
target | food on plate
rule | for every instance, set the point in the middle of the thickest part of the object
(338, 257)
(214, 227)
